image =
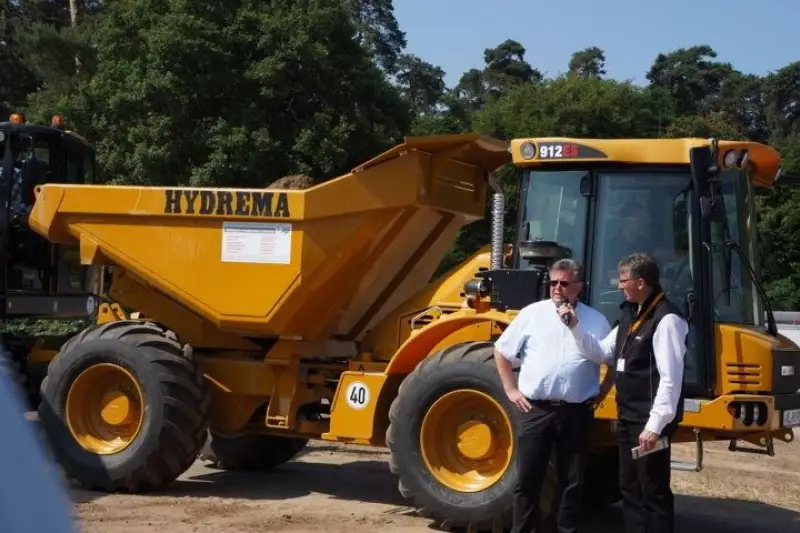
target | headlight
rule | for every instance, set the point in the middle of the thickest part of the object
(527, 150)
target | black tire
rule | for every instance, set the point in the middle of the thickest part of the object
(176, 407)
(462, 366)
(252, 452)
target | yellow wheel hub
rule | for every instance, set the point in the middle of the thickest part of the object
(104, 408)
(466, 440)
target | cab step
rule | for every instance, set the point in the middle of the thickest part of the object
(767, 447)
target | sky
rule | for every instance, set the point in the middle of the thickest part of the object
(756, 37)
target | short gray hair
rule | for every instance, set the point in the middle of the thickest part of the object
(641, 266)
(568, 264)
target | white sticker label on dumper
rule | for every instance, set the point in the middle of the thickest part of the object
(256, 242)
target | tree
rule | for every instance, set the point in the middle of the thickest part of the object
(471, 90)
(741, 101)
(575, 106)
(779, 229)
(691, 76)
(17, 80)
(589, 62)
(422, 84)
(782, 100)
(506, 68)
(377, 31)
(705, 126)
(238, 94)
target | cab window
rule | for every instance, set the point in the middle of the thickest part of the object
(644, 212)
(734, 302)
(555, 210)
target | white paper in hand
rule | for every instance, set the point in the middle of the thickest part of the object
(661, 444)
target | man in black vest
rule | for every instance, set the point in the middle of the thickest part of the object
(647, 349)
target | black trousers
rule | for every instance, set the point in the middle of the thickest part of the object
(566, 428)
(647, 501)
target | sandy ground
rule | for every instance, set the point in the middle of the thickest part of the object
(341, 489)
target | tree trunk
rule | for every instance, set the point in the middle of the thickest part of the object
(73, 17)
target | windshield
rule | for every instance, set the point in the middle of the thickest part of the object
(554, 209)
(642, 211)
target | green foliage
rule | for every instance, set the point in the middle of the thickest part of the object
(588, 63)
(201, 93)
(26, 328)
(782, 100)
(574, 106)
(779, 230)
(16, 78)
(691, 76)
(704, 126)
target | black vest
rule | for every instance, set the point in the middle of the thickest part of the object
(638, 383)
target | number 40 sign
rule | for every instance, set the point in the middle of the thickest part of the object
(357, 395)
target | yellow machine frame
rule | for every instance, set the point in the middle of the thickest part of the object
(346, 311)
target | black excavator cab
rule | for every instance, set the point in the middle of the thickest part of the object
(40, 280)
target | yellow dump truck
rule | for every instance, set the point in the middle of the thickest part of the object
(272, 317)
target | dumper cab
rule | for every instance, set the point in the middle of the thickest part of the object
(39, 279)
(690, 204)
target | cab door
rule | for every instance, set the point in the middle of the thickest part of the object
(76, 165)
(43, 280)
(701, 304)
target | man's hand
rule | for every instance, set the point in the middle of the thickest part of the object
(519, 399)
(647, 439)
(568, 311)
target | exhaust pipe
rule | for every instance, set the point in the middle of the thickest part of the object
(498, 212)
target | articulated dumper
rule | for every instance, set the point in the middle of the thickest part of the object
(269, 317)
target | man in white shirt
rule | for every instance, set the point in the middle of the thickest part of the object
(555, 394)
(647, 349)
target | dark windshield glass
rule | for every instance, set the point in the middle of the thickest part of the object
(555, 210)
(738, 225)
(641, 212)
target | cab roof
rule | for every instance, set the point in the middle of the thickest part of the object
(36, 129)
(764, 161)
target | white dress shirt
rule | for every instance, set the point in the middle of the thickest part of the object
(669, 348)
(552, 366)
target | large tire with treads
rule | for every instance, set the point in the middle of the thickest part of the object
(251, 452)
(123, 408)
(458, 391)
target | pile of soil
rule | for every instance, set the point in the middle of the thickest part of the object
(293, 181)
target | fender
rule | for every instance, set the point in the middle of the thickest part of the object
(419, 346)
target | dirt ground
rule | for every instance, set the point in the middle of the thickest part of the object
(346, 489)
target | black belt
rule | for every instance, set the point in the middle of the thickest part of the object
(562, 402)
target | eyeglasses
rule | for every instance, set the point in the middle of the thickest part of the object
(559, 283)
